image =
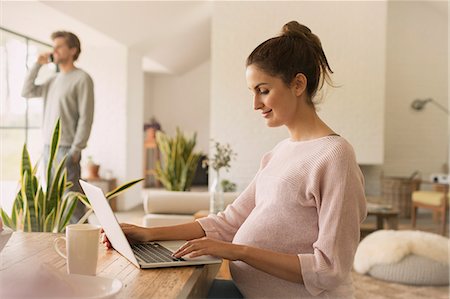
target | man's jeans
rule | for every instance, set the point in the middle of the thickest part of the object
(73, 175)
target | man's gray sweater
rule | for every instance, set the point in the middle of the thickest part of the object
(70, 97)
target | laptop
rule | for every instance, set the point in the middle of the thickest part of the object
(142, 255)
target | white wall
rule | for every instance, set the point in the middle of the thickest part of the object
(417, 67)
(117, 76)
(375, 48)
(116, 137)
(108, 135)
(134, 132)
(181, 100)
(353, 35)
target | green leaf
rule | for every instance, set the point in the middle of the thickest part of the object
(14, 215)
(48, 219)
(41, 208)
(29, 188)
(162, 177)
(36, 209)
(60, 204)
(62, 184)
(54, 145)
(68, 213)
(20, 220)
(69, 185)
(7, 220)
(26, 209)
(183, 176)
(53, 195)
(35, 168)
(122, 188)
(60, 212)
(192, 165)
(84, 200)
(36, 220)
(26, 164)
(18, 201)
(85, 216)
(177, 169)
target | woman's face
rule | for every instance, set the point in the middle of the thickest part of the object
(277, 102)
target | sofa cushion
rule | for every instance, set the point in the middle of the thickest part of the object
(152, 220)
(409, 257)
(414, 270)
(179, 202)
(391, 246)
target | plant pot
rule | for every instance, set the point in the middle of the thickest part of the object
(92, 171)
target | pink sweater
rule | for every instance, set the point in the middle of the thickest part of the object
(306, 199)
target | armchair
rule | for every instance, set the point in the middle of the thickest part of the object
(436, 200)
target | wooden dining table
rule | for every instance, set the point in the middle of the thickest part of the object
(28, 250)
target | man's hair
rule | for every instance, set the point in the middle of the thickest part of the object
(72, 41)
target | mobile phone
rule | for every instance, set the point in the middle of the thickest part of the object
(50, 57)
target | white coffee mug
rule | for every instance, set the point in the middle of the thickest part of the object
(82, 242)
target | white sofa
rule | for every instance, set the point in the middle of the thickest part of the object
(164, 207)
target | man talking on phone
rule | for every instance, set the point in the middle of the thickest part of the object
(69, 95)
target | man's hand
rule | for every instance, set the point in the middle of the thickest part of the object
(76, 157)
(43, 58)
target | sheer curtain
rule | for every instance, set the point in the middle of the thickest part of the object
(20, 118)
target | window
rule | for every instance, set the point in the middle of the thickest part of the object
(20, 118)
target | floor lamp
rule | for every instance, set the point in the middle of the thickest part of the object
(418, 105)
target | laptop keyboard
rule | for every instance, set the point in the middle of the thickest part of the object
(153, 253)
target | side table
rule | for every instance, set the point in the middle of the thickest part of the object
(386, 217)
(390, 217)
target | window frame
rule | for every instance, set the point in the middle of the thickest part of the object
(26, 127)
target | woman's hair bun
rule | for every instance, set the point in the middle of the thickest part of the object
(296, 50)
(295, 29)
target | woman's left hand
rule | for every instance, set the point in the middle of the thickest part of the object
(282, 265)
(207, 246)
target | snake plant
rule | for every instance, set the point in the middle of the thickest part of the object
(48, 209)
(179, 161)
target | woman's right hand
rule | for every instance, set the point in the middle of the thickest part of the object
(133, 233)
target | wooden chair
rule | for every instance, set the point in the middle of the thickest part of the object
(436, 200)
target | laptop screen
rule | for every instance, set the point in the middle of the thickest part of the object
(108, 221)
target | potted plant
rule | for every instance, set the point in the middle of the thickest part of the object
(222, 157)
(47, 209)
(92, 169)
(179, 161)
(228, 186)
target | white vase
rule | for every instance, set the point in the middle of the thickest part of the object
(216, 202)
